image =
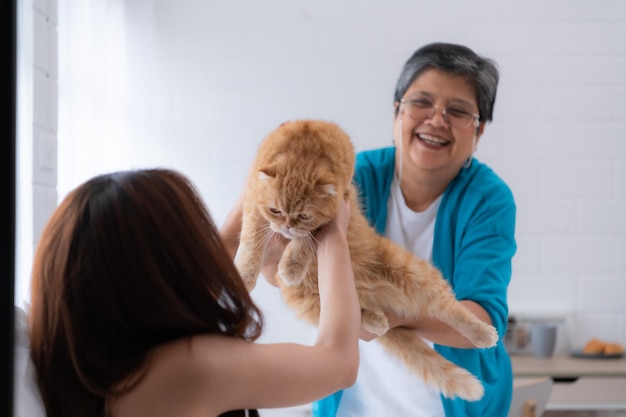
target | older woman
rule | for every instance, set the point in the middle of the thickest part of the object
(431, 195)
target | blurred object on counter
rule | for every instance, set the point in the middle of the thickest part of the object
(517, 337)
(598, 348)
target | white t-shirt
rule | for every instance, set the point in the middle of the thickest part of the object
(384, 385)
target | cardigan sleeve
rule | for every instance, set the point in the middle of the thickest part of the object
(474, 246)
(484, 245)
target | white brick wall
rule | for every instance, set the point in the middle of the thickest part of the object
(38, 135)
(558, 137)
(223, 74)
(45, 99)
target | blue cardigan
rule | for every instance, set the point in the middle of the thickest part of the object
(473, 246)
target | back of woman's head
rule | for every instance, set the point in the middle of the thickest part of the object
(482, 73)
(128, 261)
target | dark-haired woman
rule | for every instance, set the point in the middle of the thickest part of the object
(138, 310)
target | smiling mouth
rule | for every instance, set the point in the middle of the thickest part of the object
(432, 140)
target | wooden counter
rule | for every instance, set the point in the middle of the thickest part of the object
(580, 384)
(566, 366)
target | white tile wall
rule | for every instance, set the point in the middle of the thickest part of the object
(44, 203)
(44, 158)
(598, 217)
(620, 178)
(527, 260)
(621, 256)
(578, 254)
(43, 131)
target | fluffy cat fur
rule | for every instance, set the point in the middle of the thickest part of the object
(301, 173)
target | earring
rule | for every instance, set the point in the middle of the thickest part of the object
(468, 163)
(399, 149)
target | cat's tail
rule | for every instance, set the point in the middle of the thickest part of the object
(436, 371)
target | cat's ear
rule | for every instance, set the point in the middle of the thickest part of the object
(267, 172)
(326, 184)
(330, 189)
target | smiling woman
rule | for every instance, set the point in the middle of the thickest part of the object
(430, 195)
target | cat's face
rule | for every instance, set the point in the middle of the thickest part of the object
(296, 205)
(303, 169)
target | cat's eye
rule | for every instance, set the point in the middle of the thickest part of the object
(304, 217)
(274, 211)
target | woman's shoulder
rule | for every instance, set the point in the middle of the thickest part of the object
(478, 192)
(483, 184)
(376, 157)
(187, 369)
(374, 167)
(194, 355)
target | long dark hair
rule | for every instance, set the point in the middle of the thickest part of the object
(128, 261)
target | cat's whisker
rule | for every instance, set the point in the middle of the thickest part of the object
(269, 235)
(262, 235)
(312, 242)
(313, 238)
(258, 230)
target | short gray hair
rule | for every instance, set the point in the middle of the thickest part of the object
(481, 72)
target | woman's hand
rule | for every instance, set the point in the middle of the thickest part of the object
(394, 320)
(273, 252)
(337, 227)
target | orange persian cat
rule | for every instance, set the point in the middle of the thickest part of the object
(301, 173)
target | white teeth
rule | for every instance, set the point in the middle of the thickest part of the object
(432, 139)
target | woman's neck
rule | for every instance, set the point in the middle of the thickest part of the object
(421, 189)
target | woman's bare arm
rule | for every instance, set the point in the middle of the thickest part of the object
(231, 228)
(280, 375)
(210, 374)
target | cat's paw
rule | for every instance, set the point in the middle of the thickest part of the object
(291, 273)
(288, 279)
(249, 281)
(486, 337)
(250, 284)
(374, 322)
(248, 275)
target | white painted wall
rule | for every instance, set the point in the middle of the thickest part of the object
(37, 131)
(210, 79)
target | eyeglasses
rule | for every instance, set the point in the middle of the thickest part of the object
(420, 109)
